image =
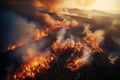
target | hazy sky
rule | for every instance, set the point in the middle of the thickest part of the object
(106, 5)
(112, 5)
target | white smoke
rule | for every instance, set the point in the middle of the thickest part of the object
(61, 35)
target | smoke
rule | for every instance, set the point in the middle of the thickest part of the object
(32, 37)
(53, 5)
(50, 21)
(73, 23)
(86, 46)
(61, 35)
(86, 54)
(21, 33)
(117, 41)
(85, 3)
(25, 35)
(28, 51)
(78, 62)
(98, 35)
(48, 4)
(86, 29)
(56, 6)
(90, 42)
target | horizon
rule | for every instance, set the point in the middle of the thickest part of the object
(111, 6)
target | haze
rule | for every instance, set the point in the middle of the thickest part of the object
(104, 5)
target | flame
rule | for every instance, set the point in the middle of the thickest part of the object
(87, 45)
(91, 45)
(40, 33)
(14, 46)
(37, 35)
(39, 63)
(91, 41)
(36, 65)
(65, 45)
(76, 64)
(94, 40)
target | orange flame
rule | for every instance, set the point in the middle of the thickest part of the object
(92, 40)
(14, 46)
(36, 65)
(37, 35)
(76, 64)
(40, 33)
(65, 45)
(91, 45)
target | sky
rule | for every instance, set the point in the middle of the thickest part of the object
(105, 5)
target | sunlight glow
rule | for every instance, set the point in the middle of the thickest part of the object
(104, 5)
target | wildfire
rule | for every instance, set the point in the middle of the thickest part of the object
(39, 63)
(74, 63)
(78, 62)
(37, 35)
(86, 45)
(91, 45)
(40, 33)
(65, 45)
(36, 65)
(91, 41)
